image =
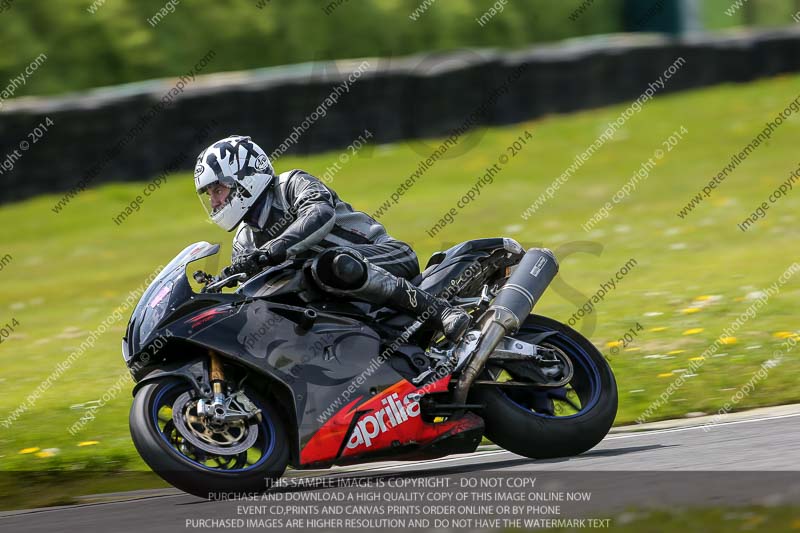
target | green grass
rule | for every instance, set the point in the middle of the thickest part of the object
(49, 488)
(69, 271)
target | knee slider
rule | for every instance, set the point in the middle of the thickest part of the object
(350, 271)
(340, 269)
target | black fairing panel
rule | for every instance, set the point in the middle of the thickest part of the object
(283, 279)
(315, 364)
(325, 358)
(451, 264)
(458, 265)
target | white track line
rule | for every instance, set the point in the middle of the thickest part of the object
(473, 455)
(476, 455)
(78, 506)
(699, 426)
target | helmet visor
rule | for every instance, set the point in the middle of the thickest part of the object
(215, 198)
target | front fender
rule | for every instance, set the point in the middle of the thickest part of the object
(194, 372)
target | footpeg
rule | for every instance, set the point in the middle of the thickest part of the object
(454, 360)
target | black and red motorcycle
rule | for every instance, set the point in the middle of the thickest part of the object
(232, 387)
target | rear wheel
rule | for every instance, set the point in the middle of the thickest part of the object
(555, 422)
(201, 458)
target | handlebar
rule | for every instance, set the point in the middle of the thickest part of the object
(218, 283)
(224, 282)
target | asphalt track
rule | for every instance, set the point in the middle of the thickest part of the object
(750, 458)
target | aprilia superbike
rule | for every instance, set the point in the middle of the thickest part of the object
(278, 373)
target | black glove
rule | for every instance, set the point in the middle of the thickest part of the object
(249, 264)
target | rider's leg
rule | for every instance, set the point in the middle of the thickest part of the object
(395, 257)
(346, 271)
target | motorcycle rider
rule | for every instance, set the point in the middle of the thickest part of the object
(294, 214)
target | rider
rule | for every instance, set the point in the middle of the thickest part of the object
(294, 214)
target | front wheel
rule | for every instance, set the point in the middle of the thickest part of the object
(201, 458)
(556, 422)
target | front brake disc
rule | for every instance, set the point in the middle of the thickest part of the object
(217, 440)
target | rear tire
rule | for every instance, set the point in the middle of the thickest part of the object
(519, 429)
(155, 447)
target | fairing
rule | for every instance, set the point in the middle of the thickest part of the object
(348, 403)
(456, 263)
(170, 288)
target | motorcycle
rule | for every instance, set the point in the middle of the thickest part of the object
(274, 374)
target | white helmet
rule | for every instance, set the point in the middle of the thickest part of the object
(239, 164)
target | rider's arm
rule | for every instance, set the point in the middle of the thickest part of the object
(313, 207)
(243, 244)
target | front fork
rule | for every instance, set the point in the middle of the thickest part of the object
(215, 410)
(222, 408)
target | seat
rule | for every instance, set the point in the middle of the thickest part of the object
(450, 264)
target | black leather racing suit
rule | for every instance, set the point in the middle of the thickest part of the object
(299, 215)
(354, 256)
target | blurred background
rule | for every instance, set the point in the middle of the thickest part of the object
(621, 111)
(101, 43)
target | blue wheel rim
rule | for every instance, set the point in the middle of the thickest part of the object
(580, 359)
(265, 426)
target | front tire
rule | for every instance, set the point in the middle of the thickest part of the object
(525, 422)
(198, 471)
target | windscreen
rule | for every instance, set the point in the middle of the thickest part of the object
(177, 267)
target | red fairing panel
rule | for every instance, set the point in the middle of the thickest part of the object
(205, 316)
(325, 444)
(392, 415)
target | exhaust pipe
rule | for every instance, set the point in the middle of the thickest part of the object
(513, 304)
